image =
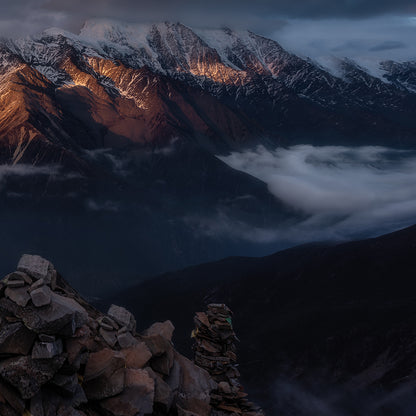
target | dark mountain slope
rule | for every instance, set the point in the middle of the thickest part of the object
(337, 314)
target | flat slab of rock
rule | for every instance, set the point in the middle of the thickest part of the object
(163, 392)
(137, 356)
(18, 295)
(41, 296)
(163, 363)
(36, 405)
(122, 316)
(195, 387)
(29, 375)
(47, 350)
(104, 374)
(16, 339)
(66, 384)
(12, 398)
(110, 337)
(62, 317)
(137, 397)
(126, 340)
(165, 329)
(34, 266)
(19, 276)
(157, 344)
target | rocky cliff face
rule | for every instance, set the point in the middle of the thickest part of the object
(60, 356)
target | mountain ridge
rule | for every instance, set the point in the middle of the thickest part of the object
(116, 86)
(332, 323)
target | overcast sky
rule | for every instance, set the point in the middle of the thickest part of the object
(319, 26)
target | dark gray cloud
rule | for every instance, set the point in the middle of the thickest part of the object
(367, 41)
(148, 9)
(262, 15)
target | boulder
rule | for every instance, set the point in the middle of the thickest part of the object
(104, 374)
(163, 363)
(77, 350)
(224, 387)
(18, 295)
(39, 283)
(6, 410)
(55, 404)
(46, 350)
(195, 386)
(36, 405)
(51, 278)
(19, 276)
(123, 317)
(183, 412)
(47, 338)
(35, 266)
(28, 375)
(157, 344)
(174, 378)
(67, 385)
(137, 356)
(126, 340)
(165, 329)
(12, 397)
(110, 337)
(16, 279)
(16, 339)
(137, 397)
(41, 296)
(163, 393)
(108, 324)
(62, 317)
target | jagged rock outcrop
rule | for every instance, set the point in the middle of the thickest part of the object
(61, 356)
(215, 351)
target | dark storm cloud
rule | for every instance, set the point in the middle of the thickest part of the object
(262, 15)
(367, 41)
(132, 9)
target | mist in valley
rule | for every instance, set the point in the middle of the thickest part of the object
(169, 208)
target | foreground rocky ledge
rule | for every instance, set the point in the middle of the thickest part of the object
(61, 356)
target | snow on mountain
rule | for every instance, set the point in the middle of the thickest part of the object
(218, 55)
(150, 82)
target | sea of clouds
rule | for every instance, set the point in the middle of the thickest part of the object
(340, 192)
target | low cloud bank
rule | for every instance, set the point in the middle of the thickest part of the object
(339, 192)
(26, 170)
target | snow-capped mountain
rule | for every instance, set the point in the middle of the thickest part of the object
(115, 84)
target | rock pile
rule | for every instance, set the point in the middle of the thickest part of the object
(60, 356)
(215, 351)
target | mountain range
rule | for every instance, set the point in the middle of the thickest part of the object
(109, 141)
(111, 144)
(117, 85)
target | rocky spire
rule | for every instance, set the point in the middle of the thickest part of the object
(215, 351)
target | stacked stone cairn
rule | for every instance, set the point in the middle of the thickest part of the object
(61, 356)
(215, 351)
